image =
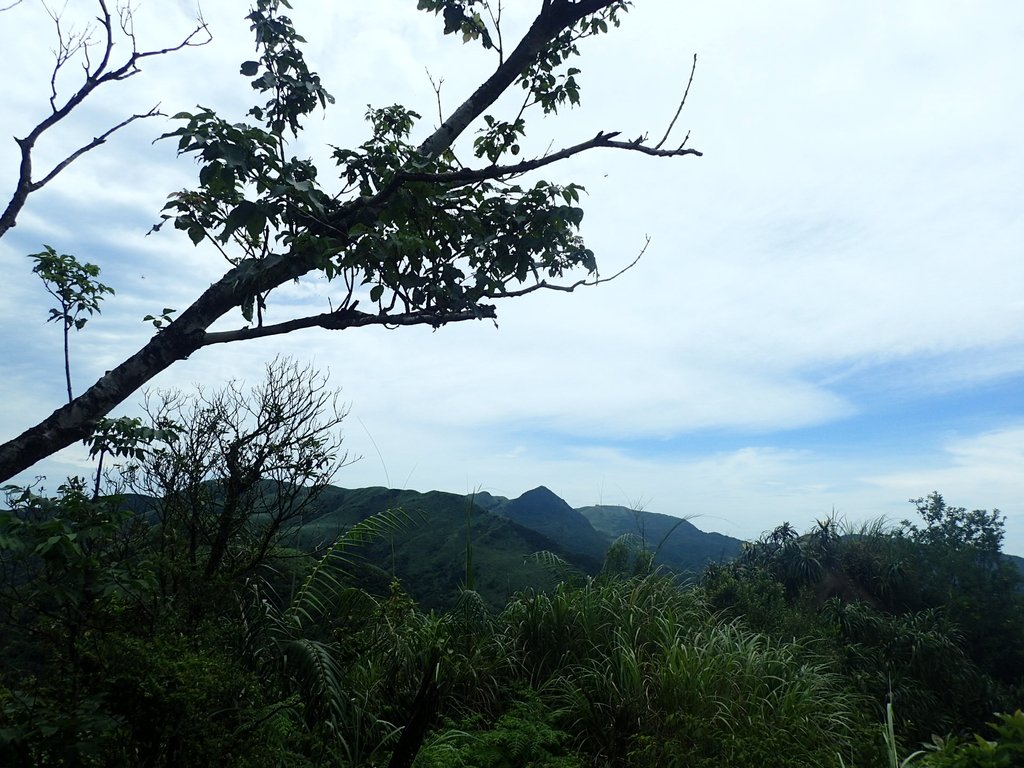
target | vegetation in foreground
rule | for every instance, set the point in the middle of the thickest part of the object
(192, 632)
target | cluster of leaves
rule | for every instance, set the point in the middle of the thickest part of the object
(927, 616)
(238, 159)
(77, 290)
(552, 89)
(460, 17)
(1005, 747)
(960, 567)
(523, 735)
(441, 245)
(72, 283)
(95, 672)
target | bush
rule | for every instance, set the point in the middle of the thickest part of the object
(1005, 751)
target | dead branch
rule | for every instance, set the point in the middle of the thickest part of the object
(69, 46)
(585, 282)
(682, 103)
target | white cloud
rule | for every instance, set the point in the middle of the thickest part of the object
(855, 216)
(977, 471)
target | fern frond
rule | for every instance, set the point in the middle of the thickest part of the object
(557, 566)
(315, 672)
(324, 580)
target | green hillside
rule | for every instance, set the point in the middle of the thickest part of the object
(429, 555)
(541, 510)
(679, 543)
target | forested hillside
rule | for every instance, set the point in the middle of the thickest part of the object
(677, 542)
(428, 554)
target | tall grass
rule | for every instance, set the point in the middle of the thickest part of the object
(643, 674)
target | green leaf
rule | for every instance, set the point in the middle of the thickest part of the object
(250, 68)
(453, 17)
(246, 214)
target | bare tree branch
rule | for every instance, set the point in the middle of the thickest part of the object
(682, 103)
(69, 45)
(505, 171)
(266, 452)
(101, 139)
(585, 282)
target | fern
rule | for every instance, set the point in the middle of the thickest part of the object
(323, 584)
(559, 568)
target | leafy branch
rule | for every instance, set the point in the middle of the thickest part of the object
(77, 290)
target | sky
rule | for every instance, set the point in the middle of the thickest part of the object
(829, 318)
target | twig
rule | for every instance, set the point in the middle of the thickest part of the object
(437, 92)
(680, 109)
(101, 139)
(545, 285)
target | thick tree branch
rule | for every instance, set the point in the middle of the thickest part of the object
(555, 16)
(342, 319)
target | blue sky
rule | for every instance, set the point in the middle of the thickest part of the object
(830, 314)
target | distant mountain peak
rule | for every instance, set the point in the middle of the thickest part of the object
(544, 511)
(542, 493)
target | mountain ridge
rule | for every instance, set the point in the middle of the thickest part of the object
(430, 558)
